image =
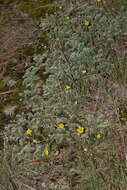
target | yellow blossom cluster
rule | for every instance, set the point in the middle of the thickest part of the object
(98, 136)
(85, 150)
(86, 23)
(60, 7)
(67, 87)
(84, 71)
(46, 152)
(29, 131)
(80, 129)
(61, 125)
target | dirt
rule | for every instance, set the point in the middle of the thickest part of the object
(16, 31)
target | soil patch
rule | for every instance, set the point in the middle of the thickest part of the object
(16, 31)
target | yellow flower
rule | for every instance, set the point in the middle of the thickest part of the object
(84, 71)
(60, 7)
(85, 150)
(29, 132)
(67, 17)
(98, 1)
(80, 129)
(89, 154)
(98, 136)
(76, 102)
(67, 87)
(35, 141)
(46, 152)
(86, 22)
(61, 125)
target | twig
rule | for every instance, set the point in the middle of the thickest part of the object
(8, 92)
(122, 129)
(36, 161)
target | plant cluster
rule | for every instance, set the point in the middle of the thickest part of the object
(71, 125)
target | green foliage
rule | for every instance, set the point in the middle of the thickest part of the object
(69, 109)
